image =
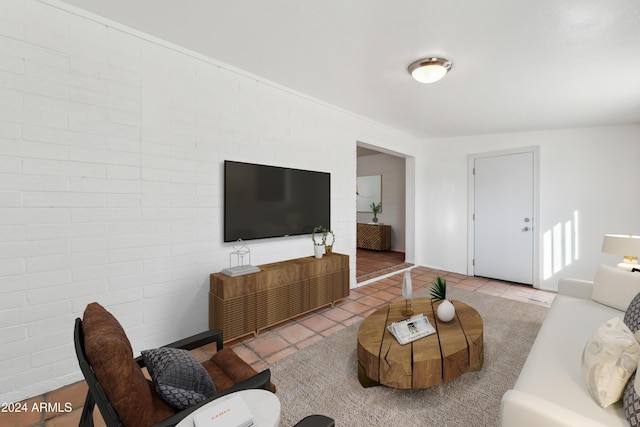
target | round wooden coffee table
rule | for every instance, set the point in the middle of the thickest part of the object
(456, 348)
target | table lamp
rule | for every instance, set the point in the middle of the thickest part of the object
(626, 245)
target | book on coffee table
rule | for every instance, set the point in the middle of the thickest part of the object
(232, 412)
(411, 329)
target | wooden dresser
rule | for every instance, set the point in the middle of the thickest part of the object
(280, 291)
(375, 237)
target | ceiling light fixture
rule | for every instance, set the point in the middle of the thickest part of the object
(429, 70)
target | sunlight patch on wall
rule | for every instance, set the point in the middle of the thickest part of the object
(557, 247)
(560, 246)
(576, 246)
(568, 246)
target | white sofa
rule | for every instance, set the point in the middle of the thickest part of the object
(550, 390)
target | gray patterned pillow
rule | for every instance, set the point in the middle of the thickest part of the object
(178, 377)
(631, 403)
(632, 315)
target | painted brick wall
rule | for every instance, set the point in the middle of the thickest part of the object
(111, 151)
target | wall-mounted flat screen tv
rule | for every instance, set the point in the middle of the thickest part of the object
(263, 201)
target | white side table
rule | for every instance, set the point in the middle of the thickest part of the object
(264, 405)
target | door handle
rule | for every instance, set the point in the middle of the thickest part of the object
(526, 229)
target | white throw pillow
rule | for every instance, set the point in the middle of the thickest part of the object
(615, 287)
(609, 359)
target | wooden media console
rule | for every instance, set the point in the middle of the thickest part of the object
(279, 291)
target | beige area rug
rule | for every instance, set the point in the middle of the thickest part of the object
(322, 379)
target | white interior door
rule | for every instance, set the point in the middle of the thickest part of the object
(503, 217)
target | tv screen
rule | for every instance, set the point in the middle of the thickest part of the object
(267, 201)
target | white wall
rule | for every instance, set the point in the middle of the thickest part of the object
(111, 152)
(593, 172)
(392, 170)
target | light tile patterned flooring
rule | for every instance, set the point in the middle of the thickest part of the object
(282, 340)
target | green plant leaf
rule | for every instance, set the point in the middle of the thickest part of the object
(323, 231)
(439, 289)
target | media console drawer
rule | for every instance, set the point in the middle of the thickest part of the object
(279, 291)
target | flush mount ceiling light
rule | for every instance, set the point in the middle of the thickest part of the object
(429, 70)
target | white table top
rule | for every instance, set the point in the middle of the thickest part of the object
(263, 404)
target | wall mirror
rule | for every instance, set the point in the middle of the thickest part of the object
(368, 190)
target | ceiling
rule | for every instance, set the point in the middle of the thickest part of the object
(517, 65)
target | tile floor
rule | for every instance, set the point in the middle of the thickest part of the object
(280, 341)
(370, 264)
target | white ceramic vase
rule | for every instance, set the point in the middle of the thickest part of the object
(446, 311)
(407, 286)
(318, 251)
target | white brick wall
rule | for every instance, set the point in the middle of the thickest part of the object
(111, 151)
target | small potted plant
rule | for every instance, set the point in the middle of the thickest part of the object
(328, 246)
(375, 208)
(319, 245)
(446, 310)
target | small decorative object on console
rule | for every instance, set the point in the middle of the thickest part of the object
(239, 252)
(319, 247)
(376, 208)
(328, 247)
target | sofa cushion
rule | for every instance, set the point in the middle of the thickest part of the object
(631, 401)
(615, 287)
(178, 377)
(552, 371)
(109, 352)
(632, 315)
(609, 359)
(226, 369)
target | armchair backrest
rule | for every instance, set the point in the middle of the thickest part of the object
(96, 393)
(123, 394)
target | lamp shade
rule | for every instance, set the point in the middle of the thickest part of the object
(619, 244)
(429, 70)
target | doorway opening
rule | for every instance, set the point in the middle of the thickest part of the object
(384, 241)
